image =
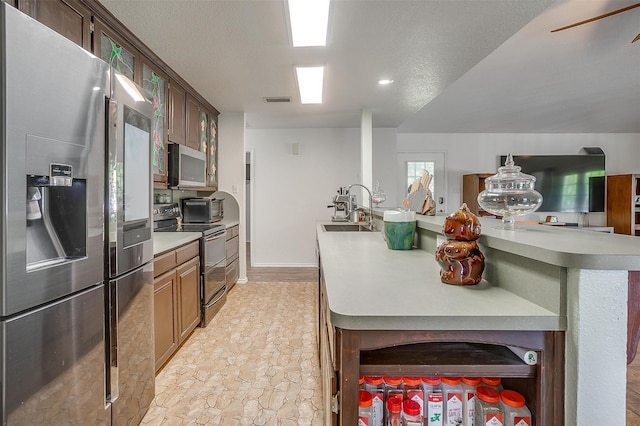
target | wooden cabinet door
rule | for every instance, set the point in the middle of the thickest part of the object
(155, 82)
(165, 309)
(188, 283)
(116, 51)
(67, 17)
(177, 120)
(193, 123)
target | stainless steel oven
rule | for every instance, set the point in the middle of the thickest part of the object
(213, 289)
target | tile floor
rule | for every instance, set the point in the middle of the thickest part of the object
(255, 364)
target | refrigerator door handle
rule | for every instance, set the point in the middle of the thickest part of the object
(114, 391)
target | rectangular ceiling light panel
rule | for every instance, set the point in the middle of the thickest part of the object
(309, 20)
(310, 84)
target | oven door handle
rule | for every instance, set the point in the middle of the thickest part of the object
(221, 292)
(214, 237)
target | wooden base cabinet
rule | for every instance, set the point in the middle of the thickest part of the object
(346, 355)
(232, 270)
(176, 299)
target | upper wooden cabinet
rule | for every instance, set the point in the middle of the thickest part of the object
(155, 81)
(115, 51)
(194, 127)
(177, 108)
(67, 17)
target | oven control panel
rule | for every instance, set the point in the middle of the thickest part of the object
(165, 211)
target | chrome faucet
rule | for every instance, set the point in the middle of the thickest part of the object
(370, 221)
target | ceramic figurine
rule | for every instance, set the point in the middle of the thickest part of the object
(460, 258)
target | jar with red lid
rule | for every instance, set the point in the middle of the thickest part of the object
(394, 408)
(413, 391)
(433, 405)
(492, 382)
(469, 385)
(375, 386)
(488, 409)
(392, 387)
(516, 412)
(364, 408)
(411, 413)
(452, 401)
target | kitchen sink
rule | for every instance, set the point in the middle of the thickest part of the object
(345, 227)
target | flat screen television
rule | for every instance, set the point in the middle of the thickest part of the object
(568, 183)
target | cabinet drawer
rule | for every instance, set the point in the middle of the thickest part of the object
(163, 263)
(234, 231)
(232, 272)
(232, 249)
(187, 252)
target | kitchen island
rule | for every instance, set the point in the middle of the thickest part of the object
(561, 293)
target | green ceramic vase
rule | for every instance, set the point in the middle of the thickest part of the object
(399, 235)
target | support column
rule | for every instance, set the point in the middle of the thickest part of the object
(366, 154)
(596, 347)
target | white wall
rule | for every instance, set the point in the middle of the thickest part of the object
(292, 192)
(478, 153)
(231, 160)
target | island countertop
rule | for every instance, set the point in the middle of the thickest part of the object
(370, 287)
(561, 246)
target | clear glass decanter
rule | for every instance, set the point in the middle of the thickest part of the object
(510, 193)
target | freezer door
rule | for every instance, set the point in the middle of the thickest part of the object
(131, 382)
(53, 359)
(53, 118)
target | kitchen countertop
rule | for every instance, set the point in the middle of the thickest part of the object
(370, 287)
(566, 247)
(165, 241)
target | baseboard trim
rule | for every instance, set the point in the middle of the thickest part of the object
(284, 265)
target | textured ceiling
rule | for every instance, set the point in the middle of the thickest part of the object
(236, 52)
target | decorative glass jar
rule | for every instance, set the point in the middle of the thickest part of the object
(510, 193)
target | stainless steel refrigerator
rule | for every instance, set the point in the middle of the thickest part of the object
(76, 341)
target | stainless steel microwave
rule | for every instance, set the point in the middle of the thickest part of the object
(187, 167)
(202, 210)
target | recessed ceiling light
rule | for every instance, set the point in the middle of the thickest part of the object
(384, 82)
(309, 20)
(310, 84)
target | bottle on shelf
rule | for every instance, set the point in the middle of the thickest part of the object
(492, 382)
(392, 387)
(413, 391)
(516, 412)
(364, 408)
(394, 408)
(452, 396)
(411, 413)
(488, 410)
(432, 389)
(374, 385)
(469, 385)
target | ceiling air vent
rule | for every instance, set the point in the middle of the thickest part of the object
(278, 100)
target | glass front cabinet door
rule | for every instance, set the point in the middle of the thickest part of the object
(212, 152)
(155, 82)
(112, 49)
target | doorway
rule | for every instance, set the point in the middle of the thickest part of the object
(410, 168)
(249, 175)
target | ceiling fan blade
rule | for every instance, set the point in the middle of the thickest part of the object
(615, 12)
(636, 39)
